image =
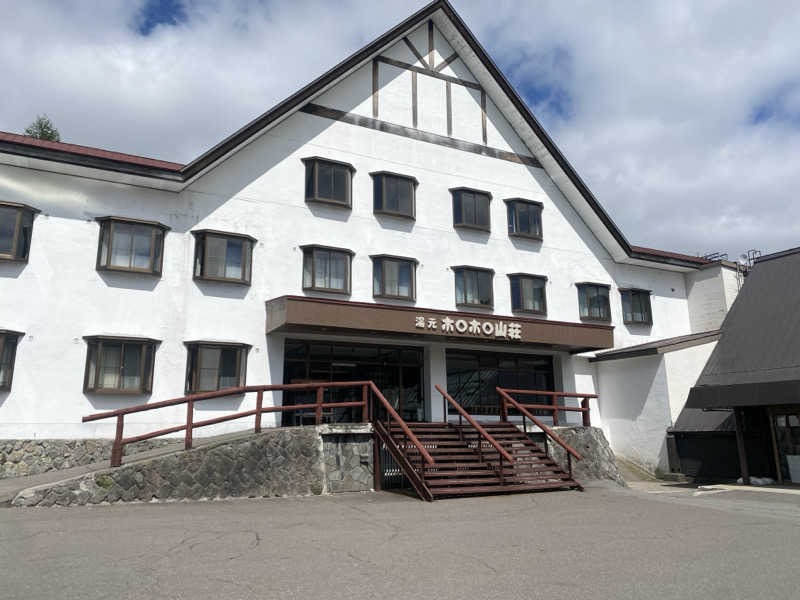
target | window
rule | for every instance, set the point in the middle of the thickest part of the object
(8, 351)
(129, 245)
(393, 194)
(471, 208)
(328, 181)
(220, 256)
(593, 302)
(16, 228)
(119, 365)
(326, 269)
(215, 366)
(528, 293)
(636, 306)
(524, 218)
(474, 287)
(393, 277)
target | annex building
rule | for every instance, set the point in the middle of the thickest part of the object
(402, 219)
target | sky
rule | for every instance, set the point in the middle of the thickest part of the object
(682, 117)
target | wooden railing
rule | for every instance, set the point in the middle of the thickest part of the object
(507, 400)
(462, 414)
(317, 407)
(554, 407)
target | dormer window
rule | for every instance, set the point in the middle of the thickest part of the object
(16, 229)
(524, 218)
(329, 181)
(221, 256)
(394, 194)
(471, 208)
(130, 245)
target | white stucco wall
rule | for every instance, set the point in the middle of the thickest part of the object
(59, 297)
(634, 408)
(711, 292)
(683, 369)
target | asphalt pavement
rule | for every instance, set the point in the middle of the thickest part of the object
(654, 541)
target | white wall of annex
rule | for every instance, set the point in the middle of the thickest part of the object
(634, 408)
(683, 369)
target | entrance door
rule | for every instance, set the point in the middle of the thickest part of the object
(786, 423)
(473, 376)
(397, 371)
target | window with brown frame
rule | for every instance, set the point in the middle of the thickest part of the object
(8, 352)
(213, 366)
(130, 245)
(471, 208)
(636, 307)
(524, 218)
(16, 229)
(528, 293)
(119, 365)
(474, 287)
(394, 194)
(593, 302)
(329, 181)
(221, 256)
(393, 277)
(326, 269)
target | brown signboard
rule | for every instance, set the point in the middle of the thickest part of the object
(300, 313)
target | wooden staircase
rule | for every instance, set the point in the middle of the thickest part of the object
(467, 464)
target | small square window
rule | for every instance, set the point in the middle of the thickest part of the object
(119, 365)
(471, 208)
(393, 277)
(528, 293)
(394, 194)
(8, 352)
(593, 302)
(223, 256)
(130, 245)
(326, 269)
(524, 218)
(16, 229)
(328, 181)
(636, 307)
(474, 287)
(215, 366)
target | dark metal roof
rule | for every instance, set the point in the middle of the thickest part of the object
(696, 420)
(658, 346)
(757, 360)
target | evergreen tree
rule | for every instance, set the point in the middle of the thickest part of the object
(43, 129)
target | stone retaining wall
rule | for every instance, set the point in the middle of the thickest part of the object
(31, 457)
(598, 462)
(290, 461)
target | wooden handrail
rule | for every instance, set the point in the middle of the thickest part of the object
(506, 398)
(548, 393)
(393, 413)
(191, 424)
(234, 391)
(475, 424)
(551, 407)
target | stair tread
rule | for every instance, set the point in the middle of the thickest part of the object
(457, 491)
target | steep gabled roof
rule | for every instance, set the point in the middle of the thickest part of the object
(566, 177)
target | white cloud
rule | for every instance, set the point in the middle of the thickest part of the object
(653, 103)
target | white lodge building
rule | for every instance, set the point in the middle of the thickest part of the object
(403, 218)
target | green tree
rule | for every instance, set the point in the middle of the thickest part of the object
(43, 129)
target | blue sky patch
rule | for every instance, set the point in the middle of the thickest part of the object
(160, 12)
(781, 105)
